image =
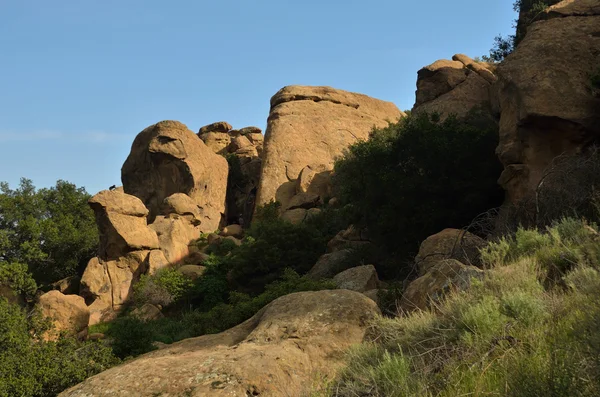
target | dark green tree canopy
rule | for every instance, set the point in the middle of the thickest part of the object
(51, 230)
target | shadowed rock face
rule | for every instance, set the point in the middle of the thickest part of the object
(277, 352)
(455, 87)
(167, 158)
(311, 126)
(544, 94)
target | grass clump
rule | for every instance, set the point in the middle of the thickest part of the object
(514, 333)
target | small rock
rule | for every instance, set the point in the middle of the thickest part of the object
(232, 230)
(192, 271)
(219, 126)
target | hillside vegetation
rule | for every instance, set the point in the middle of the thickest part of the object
(529, 328)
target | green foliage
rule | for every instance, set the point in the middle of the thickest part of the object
(30, 367)
(503, 47)
(164, 287)
(508, 335)
(16, 276)
(405, 178)
(272, 245)
(132, 337)
(52, 230)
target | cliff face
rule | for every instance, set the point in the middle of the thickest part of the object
(544, 95)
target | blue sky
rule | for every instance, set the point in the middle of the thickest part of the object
(80, 78)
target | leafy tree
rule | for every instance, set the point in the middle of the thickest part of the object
(416, 177)
(51, 230)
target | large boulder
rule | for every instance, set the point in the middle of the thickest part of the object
(449, 244)
(68, 313)
(311, 126)
(459, 87)
(277, 352)
(175, 234)
(107, 285)
(359, 278)
(442, 278)
(167, 158)
(121, 220)
(544, 96)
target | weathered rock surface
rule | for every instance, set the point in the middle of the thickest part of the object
(69, 313)
(359, 279)
(310, 126)
(454, 87)
(351, 238)
(275, 353)
(106, 285)
(174, 236)
(67, 286)
(147, 312)
(167, 158)
(233, 230)
(441, 278)
(121, 220)
(192, 271)
(328, 265)
(182, 204)
(449, 244)
(544, 96)
(247, 146)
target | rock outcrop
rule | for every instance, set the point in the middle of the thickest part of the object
(68, 313)
(442, 278)
(544, 96)
(167, 158)
(449, 244)
(121, 220)
(275, 353)
(458, 87)
(311, 126)
(246, 144)
(360, 279)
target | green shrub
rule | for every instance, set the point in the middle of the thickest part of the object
(131, 337)
(30, 367)
(272, 245)
(163, 288)
(507, 335)
(17, 277)
(402, 182)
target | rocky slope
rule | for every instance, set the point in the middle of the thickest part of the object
(292, 342)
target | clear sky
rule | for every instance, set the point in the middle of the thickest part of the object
(80, 78)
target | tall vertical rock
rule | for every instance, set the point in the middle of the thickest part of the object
(311, 126)
(545, 97)
(167, 158)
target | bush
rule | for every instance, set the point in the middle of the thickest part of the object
(507, 335)
(16, 277)
(163, 288)
(272, 245)
(405, 178)
(30, 367)
(53, 230)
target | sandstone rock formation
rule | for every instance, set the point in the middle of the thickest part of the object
(544, 96)
(277, 352)
(449, 244)
(455, 87)
(442, 277)
(359, 279)
(68, 313)
(311, 126)
(107, 284)
(121, 220)
(246, 144)
(167, 158)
